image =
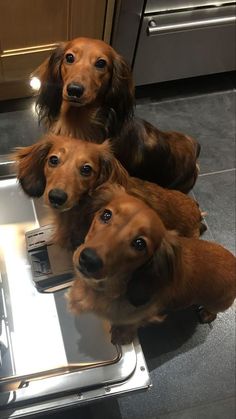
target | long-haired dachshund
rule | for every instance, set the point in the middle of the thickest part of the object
(131, 270)
(87, 92)
(67, 172)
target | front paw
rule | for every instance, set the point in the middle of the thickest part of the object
(76, 301)
(122, 335)
(74, 306)
(205, 316)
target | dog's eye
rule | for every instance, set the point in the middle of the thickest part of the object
(100, 63)
(106, 215)
(53, 161)
(70, 58)
(139, 244)
(86, 170)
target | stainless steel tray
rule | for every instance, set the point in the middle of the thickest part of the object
(49, 358)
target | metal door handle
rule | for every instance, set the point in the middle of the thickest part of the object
(154, 29)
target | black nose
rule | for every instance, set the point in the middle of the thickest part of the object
(57, 196)
(75, 90)
(90, 261)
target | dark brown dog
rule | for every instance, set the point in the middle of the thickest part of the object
(131, 270)
(87, 92)
(67, 171)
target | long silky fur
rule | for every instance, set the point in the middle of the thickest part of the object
(49, 101)
(30, 168)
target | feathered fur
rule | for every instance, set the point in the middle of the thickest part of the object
(83, 193)
(103, 107)
(132, 271)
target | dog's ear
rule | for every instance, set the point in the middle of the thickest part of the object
(120, 97)
(167, 258)
(140, 287)
(111, 170)
(30, 167)
(157, 273)
(49, 101)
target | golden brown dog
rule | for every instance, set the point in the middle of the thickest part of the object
(131, 270)
(87, 92)
(67, 171)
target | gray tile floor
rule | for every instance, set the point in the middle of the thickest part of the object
(192, 366)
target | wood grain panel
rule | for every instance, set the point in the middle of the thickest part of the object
(24, 23)
(109, 20)
(1, 71)
(18, 67)
(87, 18)
(29, 29)
(15, 89)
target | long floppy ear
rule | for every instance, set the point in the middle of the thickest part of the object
(120, 97)
(166, 261)
(157, 273)
(50, 94)
(111, 170)
(30, 167)
(140, 287)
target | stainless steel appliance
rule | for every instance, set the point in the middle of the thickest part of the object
(173, 39)
(51, 266)
(50, 359)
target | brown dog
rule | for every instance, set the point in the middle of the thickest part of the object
(131, 270)
(67, 171)
(87, 92)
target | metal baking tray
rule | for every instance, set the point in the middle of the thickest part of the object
(50, 359)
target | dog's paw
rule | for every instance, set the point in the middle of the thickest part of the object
(205, 316)
(74, 306)
(122, 335)
(76, 302)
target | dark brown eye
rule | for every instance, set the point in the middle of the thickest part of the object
(86, 170)
(70, 58)
(53, 161)
(100, 63)
(106, 215)
(139, 244)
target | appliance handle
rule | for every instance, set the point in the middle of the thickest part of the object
(154, 29)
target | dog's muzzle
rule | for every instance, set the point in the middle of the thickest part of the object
(57, 197)
(75, 91)
(89, 262)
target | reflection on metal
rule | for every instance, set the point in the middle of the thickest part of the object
(20, 381)
(47, 351)
(154, 29)
(162, 33)
(7, 167)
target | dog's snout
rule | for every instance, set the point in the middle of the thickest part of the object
(57, 197)
(90, 261)
(75, 90)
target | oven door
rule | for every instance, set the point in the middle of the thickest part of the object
(50, 359)
(185, 42)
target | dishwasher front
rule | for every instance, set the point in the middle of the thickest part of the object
(50, 359)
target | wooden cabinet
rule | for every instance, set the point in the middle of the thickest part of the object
(30, 29)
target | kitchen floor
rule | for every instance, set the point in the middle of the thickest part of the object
(192, 366)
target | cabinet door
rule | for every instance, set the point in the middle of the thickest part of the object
(29, 30)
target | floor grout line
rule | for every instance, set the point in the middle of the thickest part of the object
(216, 172)
(181, 98)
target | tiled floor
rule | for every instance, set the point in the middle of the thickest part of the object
(192, 366)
